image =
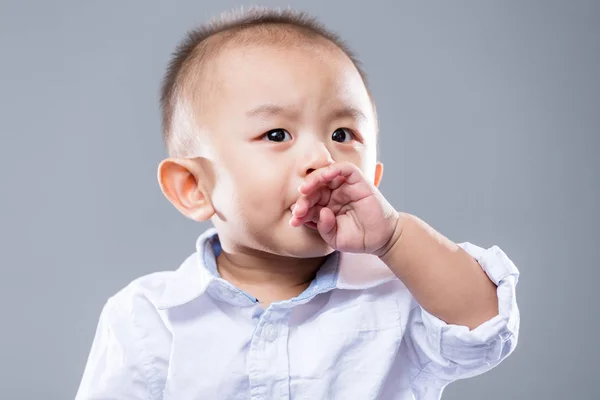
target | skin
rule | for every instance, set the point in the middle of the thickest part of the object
(303, 137)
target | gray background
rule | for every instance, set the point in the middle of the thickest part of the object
(490, 129)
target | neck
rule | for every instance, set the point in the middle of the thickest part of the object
(268, 277)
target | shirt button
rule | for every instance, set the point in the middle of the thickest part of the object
(270, 332)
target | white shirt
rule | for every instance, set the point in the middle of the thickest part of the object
(355, 333)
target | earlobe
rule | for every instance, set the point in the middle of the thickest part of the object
(378, 174)
(181, 182)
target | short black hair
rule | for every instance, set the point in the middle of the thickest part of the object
(271, 24)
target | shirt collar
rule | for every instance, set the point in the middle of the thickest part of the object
(341, 270)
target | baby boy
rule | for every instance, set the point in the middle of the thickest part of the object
(310, 285)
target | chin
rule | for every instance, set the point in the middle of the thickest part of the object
(305, 242)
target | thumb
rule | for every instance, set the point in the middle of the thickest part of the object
(327, 225)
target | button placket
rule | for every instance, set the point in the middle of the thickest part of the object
(270, 332)
(268, 358)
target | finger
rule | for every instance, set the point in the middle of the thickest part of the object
(327, 225)
(350, 172)
(312, 215)
(304, 203)
(318, 178)
(332, 184)
(347, 172)
(336, 182)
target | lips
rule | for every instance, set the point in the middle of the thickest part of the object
(311, 225)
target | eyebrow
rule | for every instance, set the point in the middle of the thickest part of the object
(268, 110)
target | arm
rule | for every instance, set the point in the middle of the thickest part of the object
(458, 328)
(465, 319)
(443, 278)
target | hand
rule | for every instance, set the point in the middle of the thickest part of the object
(351, 213)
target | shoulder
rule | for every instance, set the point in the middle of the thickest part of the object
(132, 315)
(151, 289)
(131, 345)
(147, 289)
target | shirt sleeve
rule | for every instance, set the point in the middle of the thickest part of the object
(444, 353)
(115, 365)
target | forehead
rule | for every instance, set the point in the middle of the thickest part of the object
(306, 74)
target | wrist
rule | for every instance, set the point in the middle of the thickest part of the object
(385, 251)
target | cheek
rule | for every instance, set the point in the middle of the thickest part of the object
(369, 162)
(365, 160)
(251, 191)
(368, 169)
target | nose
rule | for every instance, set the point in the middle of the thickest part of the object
(317, 156)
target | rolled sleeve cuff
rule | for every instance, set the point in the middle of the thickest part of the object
(493, 340)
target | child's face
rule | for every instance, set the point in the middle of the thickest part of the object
(313, 101)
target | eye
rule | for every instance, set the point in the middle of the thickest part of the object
(342, 135)
(277, 135)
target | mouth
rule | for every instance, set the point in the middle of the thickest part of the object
(311, 225)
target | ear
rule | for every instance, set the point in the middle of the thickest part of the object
(184, 183)
(378, 174)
